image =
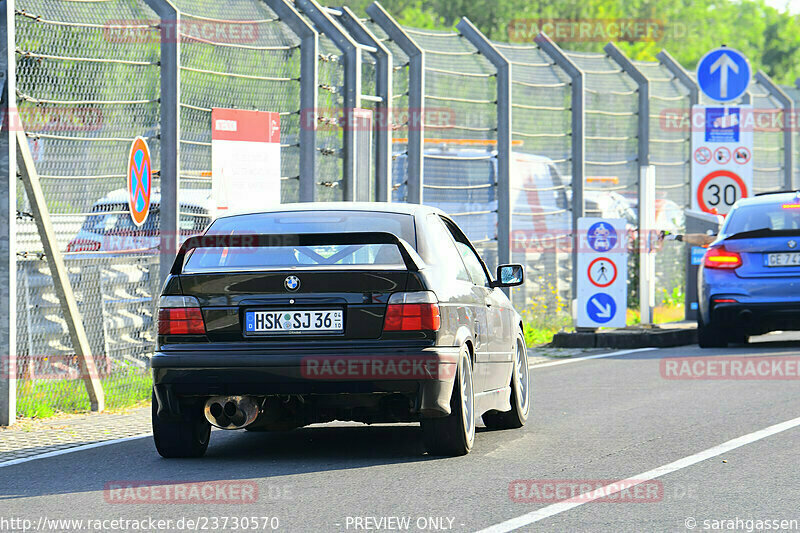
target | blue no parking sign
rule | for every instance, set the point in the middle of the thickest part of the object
(601, 308)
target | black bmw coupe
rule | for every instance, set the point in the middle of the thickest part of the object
(310, 313)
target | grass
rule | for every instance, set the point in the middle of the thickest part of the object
(49, 397)
(547, 315)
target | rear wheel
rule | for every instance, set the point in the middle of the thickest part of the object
(454, 434)
(520, 394)
(183, 438)
(710, 335)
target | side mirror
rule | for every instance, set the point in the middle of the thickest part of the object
(509, 276)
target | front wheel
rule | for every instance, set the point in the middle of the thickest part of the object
(454, 434)
(520, 394)
(187, 437)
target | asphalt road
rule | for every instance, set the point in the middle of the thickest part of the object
(594, 420)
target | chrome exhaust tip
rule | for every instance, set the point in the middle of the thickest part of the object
(231, 412)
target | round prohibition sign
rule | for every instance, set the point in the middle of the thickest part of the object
(602, 272)
(720, 190)
(702, 155)
(722, 155)
(741, 155)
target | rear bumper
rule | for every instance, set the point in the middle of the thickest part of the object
(752, 317)
(425, 374)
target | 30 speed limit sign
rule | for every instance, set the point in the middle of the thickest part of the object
(722, 166)
(720, 190)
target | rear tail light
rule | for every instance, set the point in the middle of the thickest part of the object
(725, 301)
(83, 245)
(722, 258)
(412, 311)
(180, 315)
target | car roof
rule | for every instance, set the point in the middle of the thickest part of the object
(374, 207)
(190, 197)
(769, 199)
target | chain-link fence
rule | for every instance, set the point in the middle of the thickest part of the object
(792, 123)
(541, 177)
(88, 84)
(236, 54)
(669, 146)
(768, 118)
(89, 80)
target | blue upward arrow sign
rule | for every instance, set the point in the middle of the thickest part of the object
(723, 74)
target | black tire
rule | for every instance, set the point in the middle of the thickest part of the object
(737, 337)
(520, 394)
(453, 435)
(183, 438)
(711, 336)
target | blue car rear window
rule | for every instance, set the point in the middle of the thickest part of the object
(755, 217)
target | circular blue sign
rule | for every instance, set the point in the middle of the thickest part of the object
(602, 237)
(601, 308)
(723, 74)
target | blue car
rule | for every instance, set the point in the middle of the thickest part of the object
(749, 282)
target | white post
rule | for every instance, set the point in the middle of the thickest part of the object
(647, 222)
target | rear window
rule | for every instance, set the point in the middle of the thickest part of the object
(280, 257)
(755, 217)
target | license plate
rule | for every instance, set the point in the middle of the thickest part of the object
(294, 321)
(783, 260)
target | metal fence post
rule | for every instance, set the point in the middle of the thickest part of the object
(787, 104)
(8, 216)
(577, 78)
(351, 51)
(644, 100)
(383, 88)
(416, 97)
(646, 172)
(59, 274)
(309, 96)
(503, 66)
(170, 131)
(685, 79)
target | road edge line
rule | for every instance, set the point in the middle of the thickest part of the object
(596, 356)
(680, 464)
(65, 451)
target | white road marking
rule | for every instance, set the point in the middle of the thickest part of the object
(65, 451)
(560, 507)
(597, 356)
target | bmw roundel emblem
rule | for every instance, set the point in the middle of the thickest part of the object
(792, 244)
(292, 283)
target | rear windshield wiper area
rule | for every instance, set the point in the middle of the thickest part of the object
(764, 232)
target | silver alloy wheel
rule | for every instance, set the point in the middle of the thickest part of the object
(467, 396)
(522, 383)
